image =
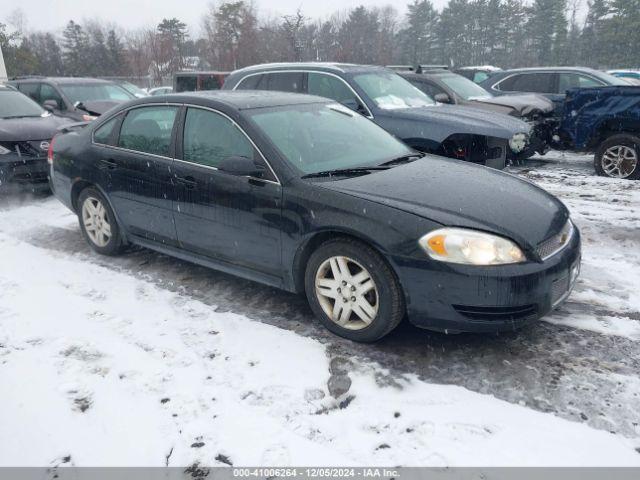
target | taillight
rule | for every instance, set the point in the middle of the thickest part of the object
(50, 151)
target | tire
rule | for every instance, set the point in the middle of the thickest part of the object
(384, 307)
(103, 214)
(610, 149)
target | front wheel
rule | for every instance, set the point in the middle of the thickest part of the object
(353, 291)
(98, 223)
(618, 157)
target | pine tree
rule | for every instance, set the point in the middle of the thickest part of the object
(75, 45)
(418, 40)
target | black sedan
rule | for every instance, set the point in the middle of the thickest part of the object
(25, 132)
(303, 194)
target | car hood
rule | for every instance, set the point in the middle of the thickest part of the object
(30, 128)
(523, 105)
(465, 120)
(98, 107)
(456, 193)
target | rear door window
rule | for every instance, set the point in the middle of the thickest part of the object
(47, 92)
(252, 82)
(32, 90)
(529, 82)
(285, 81)
(148, 129)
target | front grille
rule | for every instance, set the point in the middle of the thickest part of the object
(559, 288)
(28, 148)
(553, 245)
(498, 314)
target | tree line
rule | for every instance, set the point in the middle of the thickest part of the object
(505, 33)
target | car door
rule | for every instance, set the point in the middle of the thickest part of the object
(137, 172)
(544, 83)
(225, 217)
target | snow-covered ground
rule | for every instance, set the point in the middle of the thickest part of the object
(147, 360)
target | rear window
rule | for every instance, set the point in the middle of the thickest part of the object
(148, 130)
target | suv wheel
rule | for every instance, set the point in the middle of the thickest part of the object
(353, 291)
(619, 157)
(98, 223)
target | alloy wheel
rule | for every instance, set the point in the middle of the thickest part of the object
(619, 161)
(347, 293)
(95, 221)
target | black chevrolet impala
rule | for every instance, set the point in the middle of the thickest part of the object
(303, 194)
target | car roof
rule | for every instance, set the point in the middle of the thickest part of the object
(551, 69)
(238, 99)
(429, 73)
(63, 80)
(320, 66)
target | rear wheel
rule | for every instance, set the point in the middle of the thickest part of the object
(98, 223)
(353, 291)
(619, 157)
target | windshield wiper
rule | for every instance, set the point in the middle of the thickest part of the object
(21, 116)
(412, 157)
(345, 171)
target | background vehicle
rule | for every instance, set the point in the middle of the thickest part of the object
(448, 87)
(80, 99)
(196, 81)
(477, 74)
(369, 227)
(552, 82)
(26, 130)
(605, 121)
(160, 91)
(397, 106)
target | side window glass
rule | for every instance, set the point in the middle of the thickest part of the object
(331, 87)
(148, 130)
(186, 84)
(285, 81)
(210, 82)
(253, 82)
(428, 88)
(529, 82)
(210, 137)
(105, 133)
(574, 80)
(32, 90)
(479, 77)
(47, 92)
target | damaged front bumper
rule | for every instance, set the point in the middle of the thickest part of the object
(23, 173)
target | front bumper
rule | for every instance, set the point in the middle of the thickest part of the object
(463, 298)
(23, 173)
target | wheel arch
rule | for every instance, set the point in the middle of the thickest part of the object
(614, 126)
(80, 185)
(315, 240)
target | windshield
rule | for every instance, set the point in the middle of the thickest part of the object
(320, 137)
(611, 80)
(134, 89)
(95, 91)
(15, 104)
(390, 91)
(463, 87)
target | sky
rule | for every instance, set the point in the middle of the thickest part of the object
(54, 14)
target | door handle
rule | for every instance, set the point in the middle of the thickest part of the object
(109, 163)
(188, 181)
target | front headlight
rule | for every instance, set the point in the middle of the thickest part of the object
(470, 247)
(518, 142)
(4, 151)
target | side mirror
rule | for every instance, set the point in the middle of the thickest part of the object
(442, 98)
(50, 105)
(354, 105)
(241, 167)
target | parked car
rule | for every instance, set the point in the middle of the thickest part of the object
(160, 91)
(80, 99)
(25, 132)
(397, 106)
(303, 194)
(605, 121)
(445, 86)
(477, 74)
(631, 76)
(197, 81)
(552, 82)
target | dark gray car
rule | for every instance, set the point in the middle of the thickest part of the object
(397, 106)
(552, 82)
(80, 99)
